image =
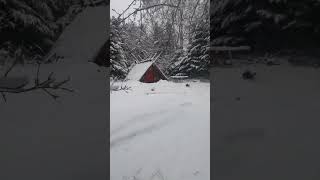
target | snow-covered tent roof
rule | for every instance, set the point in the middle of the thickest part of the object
(138, 70)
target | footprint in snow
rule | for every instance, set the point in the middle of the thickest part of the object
(196, 173)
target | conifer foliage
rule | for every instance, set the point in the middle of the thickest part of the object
(265, 24)
(32, 26)
(119, 67)
(195, 61)
(173, 33)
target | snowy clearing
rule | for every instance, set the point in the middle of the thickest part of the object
(160, 131)
(267, 128)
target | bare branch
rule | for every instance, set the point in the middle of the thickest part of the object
(116, 12)
(11, 67)
(4, 96)
(49, 83)
(126, 9)
(38, 72)
(50, 94)
(149, 7)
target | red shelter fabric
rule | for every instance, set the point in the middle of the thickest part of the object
(149, 75)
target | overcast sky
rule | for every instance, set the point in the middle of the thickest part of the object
(120, 6)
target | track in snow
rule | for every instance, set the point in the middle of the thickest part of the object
(156, 133)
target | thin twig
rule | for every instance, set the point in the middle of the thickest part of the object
(50, 94)
(115, 11)
(11, 67)
(45, 86)
(149, 7)
(4, 96)
(38, 72)
(49, 84)
(126, 9)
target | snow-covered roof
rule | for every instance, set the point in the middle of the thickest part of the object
(138, 70)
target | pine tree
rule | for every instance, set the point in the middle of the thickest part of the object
(196, 61)
(31, 25)
(119, 66)
(265, 24)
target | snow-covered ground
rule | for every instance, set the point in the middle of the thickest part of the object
(160, 131)
(268, 128)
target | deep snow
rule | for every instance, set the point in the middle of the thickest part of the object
(267, 128)
(160, 129)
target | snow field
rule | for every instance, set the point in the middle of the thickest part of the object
(160, 134)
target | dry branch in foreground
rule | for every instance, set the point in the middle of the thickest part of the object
(18, 85)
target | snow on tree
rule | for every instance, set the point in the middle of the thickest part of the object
(34, 25)
(118, 61)
(265, 24)
(196, 61)
(164, 28)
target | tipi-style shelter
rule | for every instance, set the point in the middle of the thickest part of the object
(147, 72)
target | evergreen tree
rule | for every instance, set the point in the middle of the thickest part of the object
(196, 60)
(118, 61)
(265, 24)
(32, 26)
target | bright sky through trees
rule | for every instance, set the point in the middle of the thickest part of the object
(120, 5)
